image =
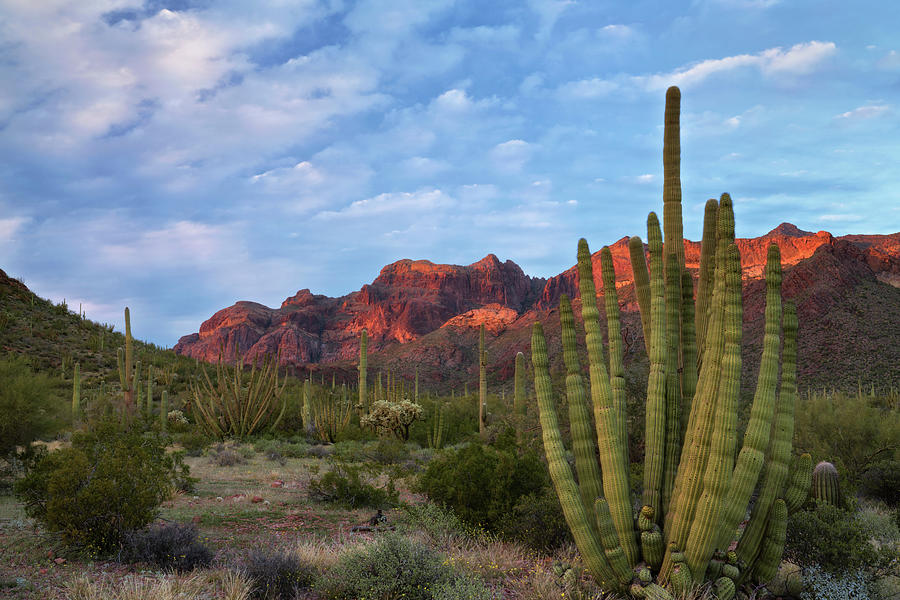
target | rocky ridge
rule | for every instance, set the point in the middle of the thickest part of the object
(418, 312)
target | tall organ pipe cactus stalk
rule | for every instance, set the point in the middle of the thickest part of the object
(698, 481)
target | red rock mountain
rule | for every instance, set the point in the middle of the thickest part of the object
(422, 314)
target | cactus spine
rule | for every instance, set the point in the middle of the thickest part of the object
(694, 489)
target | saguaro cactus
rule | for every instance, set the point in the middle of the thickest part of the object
(695, 491)
(126, 368)
(363, 368)
(76, 391)
(482, 380)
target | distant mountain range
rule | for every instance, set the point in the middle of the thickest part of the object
(425, 316)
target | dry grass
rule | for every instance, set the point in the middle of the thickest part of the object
(207, 585)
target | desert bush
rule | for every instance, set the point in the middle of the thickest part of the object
(881, 481)
(168, 546)
(392, 567)
(438, 523)
(821, 584)
(830, 538)
(481, 483)
(277, 575)
(226, 457)
(350, 451)
(388, 451)
(349, 485)
(110, 481)
(461, 587)
(537, 521)
(194, 442)
(853, 432)
(291, 448)
(321, 450)
(27, 405)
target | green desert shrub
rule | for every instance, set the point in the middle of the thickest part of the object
(830, 538)
(481, 483)
(537, 521)
(881, 481)
(438, 523)
(288, 448)
(462, 587)
(171, 546)
(853, 432)
(392, 567)
(277, 575)
(351, 486)
(28, 402)
(109, 482)
(194, 441)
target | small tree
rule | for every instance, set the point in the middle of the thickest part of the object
(26, 410)
(109, 482)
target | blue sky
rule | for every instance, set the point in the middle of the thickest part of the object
(179, 155)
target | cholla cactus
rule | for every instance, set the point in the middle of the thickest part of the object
(392, 418)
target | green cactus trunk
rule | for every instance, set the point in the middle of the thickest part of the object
(584, 444)
(76, 392)
(482, 381)
(615, 470)
(363, 370)
(126, 370)
(164, 410)
(693, 486)
(641, 285)
(583, 528)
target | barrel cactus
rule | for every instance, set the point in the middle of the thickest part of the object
(825, 484)
(698, 481)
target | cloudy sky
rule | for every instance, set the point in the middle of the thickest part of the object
(179, 155)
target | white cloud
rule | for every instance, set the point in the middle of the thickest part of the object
(800, 59)
(402, 204)
(9, 227)
(182, 242)
(646, 178)
(588, 89)
(511, 156)
(868, 111)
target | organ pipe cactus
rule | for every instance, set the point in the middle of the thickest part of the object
(697, 478)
